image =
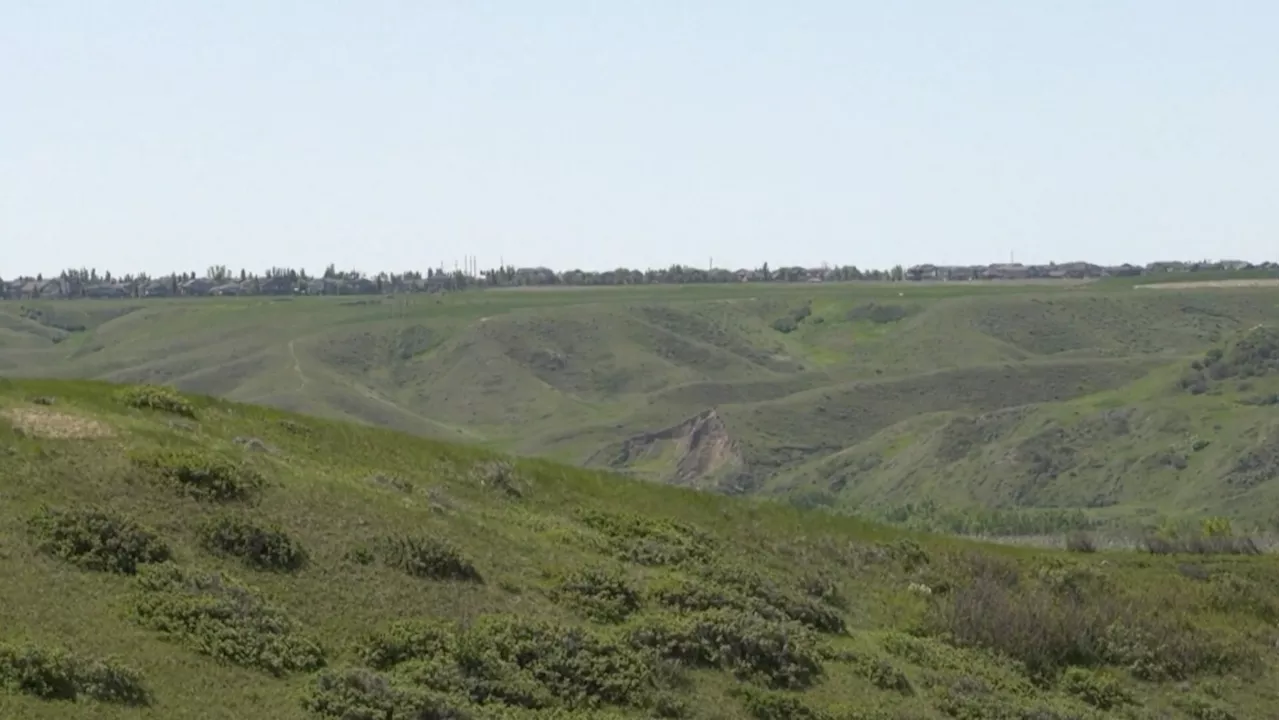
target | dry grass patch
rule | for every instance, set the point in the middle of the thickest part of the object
(45, 423)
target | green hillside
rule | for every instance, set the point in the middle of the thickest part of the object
(186, 557)
(848, 395)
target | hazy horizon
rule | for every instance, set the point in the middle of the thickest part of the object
(400, 136)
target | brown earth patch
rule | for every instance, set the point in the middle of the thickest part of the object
(44, 423)
(702, 446)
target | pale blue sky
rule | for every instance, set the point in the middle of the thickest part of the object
(168, 135)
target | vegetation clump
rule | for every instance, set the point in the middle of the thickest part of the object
(500, 475)
(360, 694)
(511, 661)
(215, 615)
(203, 475)
(260, 547)
(791, 321)
(646, 541)
(880, 314)
(778, 654)
(1063, 618)
(1096, 688)
(1214, 536)
(157, 397)
(427, 556)
(603, 594)
(1081, 542)
(1251, 354)
(407, 640)
(97, 539)
(745, 591)
(776, 705)
(60, 675)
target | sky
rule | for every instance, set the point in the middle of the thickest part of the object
(377, 135)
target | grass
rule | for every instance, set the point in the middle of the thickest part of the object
(380, 573)
(876, 396)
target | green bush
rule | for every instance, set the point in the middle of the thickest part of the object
(644, 541)
(1198, 707)
(601, 593)
(260, 547)
(1100, 690)
(96, 539)
(880, 314)
(505, 660)
(156, 397)
(1068, 616)
(577, 667)
(59, 675)
(771, 599)
(500, 475)
(427, 556)
(204, 476)
(217, 616)
(774, 705)
(776, 654)
(359, 694)
(408, 640)
(1156, 650)
(1081, 542)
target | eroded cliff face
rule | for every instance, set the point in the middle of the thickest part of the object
(690, 453)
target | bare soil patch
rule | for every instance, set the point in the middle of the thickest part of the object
(1254, 282)
(45, 423)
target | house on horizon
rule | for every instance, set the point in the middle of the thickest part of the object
(107, 291)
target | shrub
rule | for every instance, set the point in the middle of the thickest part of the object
(156, 397)
(260, 547)
(428, 557)
(880, 314)
(603, 594)
(407, 640)
(1100, 690)
(1168, 650)
(785, 325)
(1070, 617)
(509, 661)
(774, 705)
(59, 675)
(204, 476)
(886, 676)
(772, 600)
(825, 588)
(519, 660)
(358, 694)
(215, 615)
(1191, 544)
(1081, 542)
(637, 539)
(96, 539)
(777, 654)
(499, 475)
(1198, 707)
(1029, 624)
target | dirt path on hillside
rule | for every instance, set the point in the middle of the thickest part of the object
(1255, 282)
(297, 368)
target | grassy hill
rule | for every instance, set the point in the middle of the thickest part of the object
(844, 395)
(187, 557)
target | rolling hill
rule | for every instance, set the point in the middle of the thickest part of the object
(169, 556)
(850, 396)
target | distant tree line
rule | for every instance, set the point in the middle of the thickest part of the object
(222, 280)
